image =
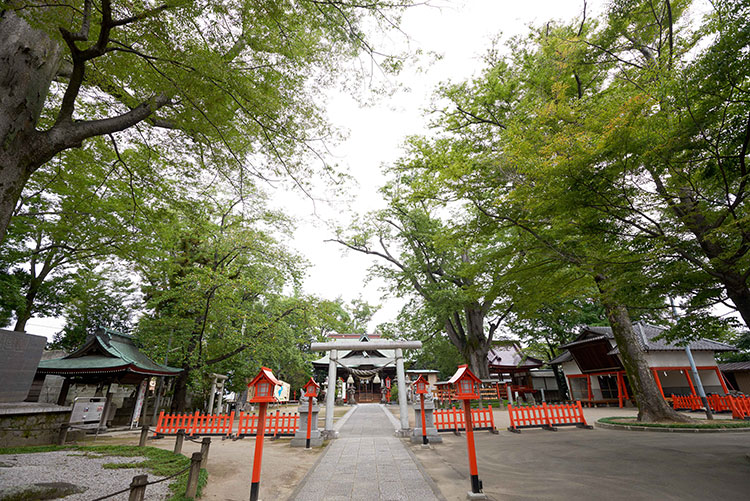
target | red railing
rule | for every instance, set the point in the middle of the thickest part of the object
(546, 416)
(278, 424)
(453, 419)
(738, 406)
(686, 403)
(194, 424)
(720, 403)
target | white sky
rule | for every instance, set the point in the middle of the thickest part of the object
(461, 31)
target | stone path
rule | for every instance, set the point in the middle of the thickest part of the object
(367, 462)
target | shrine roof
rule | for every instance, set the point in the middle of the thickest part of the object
(106, 351)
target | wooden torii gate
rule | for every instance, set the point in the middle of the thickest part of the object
(397, 346)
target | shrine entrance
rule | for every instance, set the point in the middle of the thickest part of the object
(369, 382)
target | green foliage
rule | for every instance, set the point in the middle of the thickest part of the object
(710, 425)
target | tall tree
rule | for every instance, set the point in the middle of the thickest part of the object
(231, 79)
(213, 281)
(437, 257)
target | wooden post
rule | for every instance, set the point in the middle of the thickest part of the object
(179, 439)
(144, 436)
(138, 488)
(193, 474)
(63, 436)
(258, 457)
(205, 444)
(475, 483)
(619, 388)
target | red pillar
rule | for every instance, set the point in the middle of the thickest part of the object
(309, 421)
(475, 483)
(258, 457)
(588, 384)
(658, 382)
(721, 380)
(424, 426)
(620, 384)
(690, 381)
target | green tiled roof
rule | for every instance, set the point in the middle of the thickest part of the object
(106, 351)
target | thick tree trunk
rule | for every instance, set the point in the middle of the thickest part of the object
(467, 335)
(29, 60)
(651, 405)
(179, 400)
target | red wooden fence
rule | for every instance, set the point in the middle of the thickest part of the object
(194, 424)
(546, 416)
(738, 406)
(278, 424)
(453, 419)
(686, 402)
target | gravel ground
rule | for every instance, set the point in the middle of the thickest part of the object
(72, 467)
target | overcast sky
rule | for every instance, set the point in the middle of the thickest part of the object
(461, 31)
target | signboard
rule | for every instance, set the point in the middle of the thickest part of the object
(281, 392)
(388, 383)
(139, 403)
(87, 412)
(19, 357)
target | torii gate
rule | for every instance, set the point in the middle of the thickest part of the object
(397, 346)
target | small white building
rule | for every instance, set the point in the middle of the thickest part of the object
(595, 374)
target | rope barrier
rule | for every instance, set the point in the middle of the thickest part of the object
(144, 485)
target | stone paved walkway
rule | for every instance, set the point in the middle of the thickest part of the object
(367, 462)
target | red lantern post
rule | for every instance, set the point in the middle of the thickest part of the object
(420, 386)
(263, 386)
(464, 382)
(311, 391)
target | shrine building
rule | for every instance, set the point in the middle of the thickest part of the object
(595, 374)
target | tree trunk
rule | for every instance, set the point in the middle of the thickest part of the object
(29, 60)
(467, 335)
(651, 405)
(179, 400)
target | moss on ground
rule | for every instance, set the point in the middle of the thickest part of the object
(715, 424)
(158, 462)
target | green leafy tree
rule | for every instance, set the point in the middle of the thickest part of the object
(95, 300)
(233, 81)
(439, 259)
(213, 282)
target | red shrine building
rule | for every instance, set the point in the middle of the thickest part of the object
(595, 374)
(508, 363)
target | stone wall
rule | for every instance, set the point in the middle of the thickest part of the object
(30, 423)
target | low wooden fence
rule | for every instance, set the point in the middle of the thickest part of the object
(453, 419)
(194, 424)
(548, 417)
(277, 425)
(738, 406)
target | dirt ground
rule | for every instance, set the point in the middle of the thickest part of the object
(230, 462)
(578, 464)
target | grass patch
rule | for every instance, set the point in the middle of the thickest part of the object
(158, 462)
(715, 424)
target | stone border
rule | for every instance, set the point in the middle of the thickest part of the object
(343, 419)
(395, 422)
(629, 427)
